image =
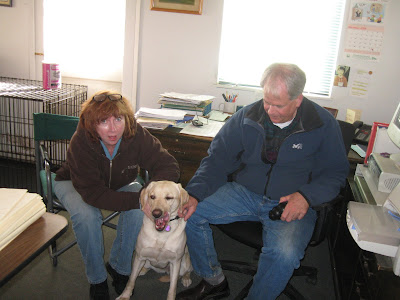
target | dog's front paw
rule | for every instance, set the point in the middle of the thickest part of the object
(126, 295)
(186, 281)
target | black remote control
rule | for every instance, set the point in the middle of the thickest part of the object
(276, 212)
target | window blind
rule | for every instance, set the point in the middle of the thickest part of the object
(256, 33)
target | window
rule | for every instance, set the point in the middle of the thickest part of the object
(256, 33)
(86, 38)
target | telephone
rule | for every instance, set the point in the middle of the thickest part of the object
(363, 132)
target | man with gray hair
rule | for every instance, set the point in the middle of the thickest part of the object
(282, 148)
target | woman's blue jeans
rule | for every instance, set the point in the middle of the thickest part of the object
(87, 224)
(284, 242)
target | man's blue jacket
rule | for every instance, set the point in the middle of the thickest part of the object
(312, 160)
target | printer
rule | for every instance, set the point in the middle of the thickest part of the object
(384, 171)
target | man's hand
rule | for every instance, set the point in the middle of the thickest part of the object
(188, 209)
(296, 208)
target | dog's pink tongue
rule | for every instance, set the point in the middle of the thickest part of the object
(162, 222)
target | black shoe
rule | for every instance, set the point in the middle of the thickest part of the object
(119, 281)
(204, 291)
(99, 291)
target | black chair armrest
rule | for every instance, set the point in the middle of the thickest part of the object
(324, 221)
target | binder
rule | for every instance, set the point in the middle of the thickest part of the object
(371, 143)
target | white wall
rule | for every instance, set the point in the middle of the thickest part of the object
(384, 93)
(179, 52)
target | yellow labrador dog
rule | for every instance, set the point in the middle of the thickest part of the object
(161, 244)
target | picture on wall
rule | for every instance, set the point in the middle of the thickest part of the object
(178, 6)
(341, 76)
(6, 3)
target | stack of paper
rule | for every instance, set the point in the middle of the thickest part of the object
(18, 210)
(188, 102)
(186, 98)
(158, 118)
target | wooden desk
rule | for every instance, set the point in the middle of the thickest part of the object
(354, 158)
(29, 244)
(188, 150)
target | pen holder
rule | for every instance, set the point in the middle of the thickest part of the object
(228, 107)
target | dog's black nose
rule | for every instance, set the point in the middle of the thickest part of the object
(157, 213)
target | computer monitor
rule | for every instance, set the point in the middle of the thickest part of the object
(394, 133)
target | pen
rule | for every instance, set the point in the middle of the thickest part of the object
(223, 95)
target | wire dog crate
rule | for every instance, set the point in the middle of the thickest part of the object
(19, 99)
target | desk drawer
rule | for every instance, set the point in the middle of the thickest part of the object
(188, 168)
(185, 148)
(188, 154)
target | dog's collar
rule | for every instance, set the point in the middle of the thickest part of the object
(173, 219)
(168, 228)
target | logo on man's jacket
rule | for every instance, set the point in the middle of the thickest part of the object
(129, 169)
(297, 146)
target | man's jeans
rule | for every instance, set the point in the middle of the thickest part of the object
(87, 225)
(284, 243)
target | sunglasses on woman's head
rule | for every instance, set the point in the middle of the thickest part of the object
(102, 97)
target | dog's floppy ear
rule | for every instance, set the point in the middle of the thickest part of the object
(184, 196)
(143, 197)
(144, 194)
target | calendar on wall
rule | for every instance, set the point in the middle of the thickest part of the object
(364, 42)
(365, 32)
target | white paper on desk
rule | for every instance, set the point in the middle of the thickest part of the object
(9, 198)
(22, 211)
(17, 230)
(209, 130)
(165, 113)
(217, 115)
(191, 98)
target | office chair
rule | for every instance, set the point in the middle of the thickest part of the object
(52, 134)
(250, 234)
